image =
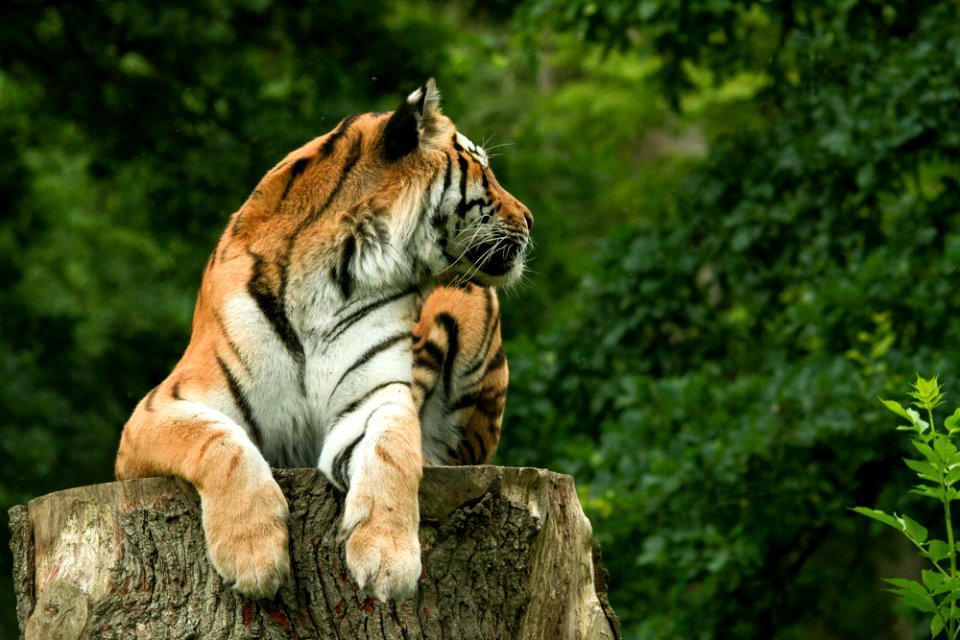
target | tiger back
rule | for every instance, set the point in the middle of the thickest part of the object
(321, 338)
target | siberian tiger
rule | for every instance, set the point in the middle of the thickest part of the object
(322, 338)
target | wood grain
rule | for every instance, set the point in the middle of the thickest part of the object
(507, 553)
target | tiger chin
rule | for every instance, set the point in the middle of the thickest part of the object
(323, 338)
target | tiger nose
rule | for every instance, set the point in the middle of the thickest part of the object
(528, 217)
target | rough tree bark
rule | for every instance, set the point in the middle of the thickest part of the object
(507, 553)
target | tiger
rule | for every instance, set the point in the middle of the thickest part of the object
(347, 320)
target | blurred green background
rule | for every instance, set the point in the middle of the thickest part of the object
(748, 228)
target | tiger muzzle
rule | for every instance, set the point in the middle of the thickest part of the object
(496, 258)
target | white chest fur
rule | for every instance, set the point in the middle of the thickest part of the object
(350, 351)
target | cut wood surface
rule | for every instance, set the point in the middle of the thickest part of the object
(507, 553)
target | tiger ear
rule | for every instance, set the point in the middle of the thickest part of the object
(411, 121)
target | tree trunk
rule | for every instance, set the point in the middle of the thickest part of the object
(507, 553)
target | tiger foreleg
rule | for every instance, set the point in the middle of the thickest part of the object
(244, 511)
(380, 461)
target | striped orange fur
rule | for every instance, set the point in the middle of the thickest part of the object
(321, 338)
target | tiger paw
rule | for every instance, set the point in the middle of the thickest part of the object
(383, 552)
(247, 539)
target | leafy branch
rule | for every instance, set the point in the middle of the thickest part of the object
(939, 472)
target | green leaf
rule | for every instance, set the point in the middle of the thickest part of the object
(918, 422)
(927, 392)
(953, 422)
(943, 447)
(880, 516)
(933, 579)
(952, 585)
(896, 407)
(919, 601)
(931, 492)
(937, 550)
(953, 596)
(925, 470)
(914, 530)
(936, 625)
(952, 476)
(927, 452)
(907, 585)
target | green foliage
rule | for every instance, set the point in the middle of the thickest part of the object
(938, 472)
(725, 36)
(585, 143)
(709, 387)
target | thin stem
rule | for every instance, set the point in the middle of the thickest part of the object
(953, 561)
(952, 626)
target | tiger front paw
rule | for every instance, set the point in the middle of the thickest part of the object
(383, 550)
(247, 539)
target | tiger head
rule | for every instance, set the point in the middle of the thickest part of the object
(481, 230)
(387, 198)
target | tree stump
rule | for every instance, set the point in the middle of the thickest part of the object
(507, 553)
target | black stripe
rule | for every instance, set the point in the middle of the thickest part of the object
(355, 316)
(353, 406)
(449, 323)
(242, 403)
(380, 347)
(315, 214)
(466, 207)
(420, 384)
(485, 212)
(494, 331)
(233, 347)
(490, 330)
(433, 350)
(464, 401)
(349, 163)
(465, 443)
(331, 142)
(498, 360)
(491, 404)
(176, 391)
(448, 174)
(482, 446)
(464, 167)
(439, 217)
(487, 402)
(341, 462)
(298, 168)
(272, 307)
(342, 272)
(452, 454)
(272, 304)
